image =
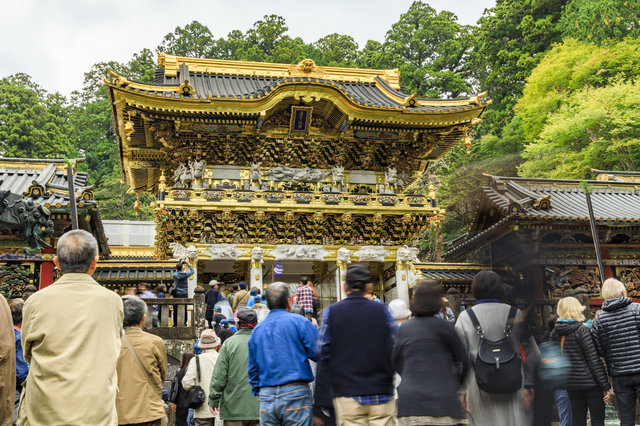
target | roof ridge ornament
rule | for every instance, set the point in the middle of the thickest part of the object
(306, 68)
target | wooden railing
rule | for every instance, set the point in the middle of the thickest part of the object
(190, 313)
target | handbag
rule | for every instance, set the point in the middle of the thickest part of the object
(196, 396)
(165, 420)
(172, 290)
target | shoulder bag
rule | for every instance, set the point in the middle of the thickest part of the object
(165, 420)
(196, 396)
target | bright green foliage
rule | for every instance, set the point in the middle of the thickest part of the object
(594, 128)
(431, 49)
(511, 39)
(33, 123)
(567, 68)
(599, 20)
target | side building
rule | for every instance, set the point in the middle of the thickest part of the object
(35, 211)
(539, 229)
(266, 172)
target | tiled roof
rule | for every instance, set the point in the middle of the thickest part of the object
(465, 275)
(555, 200)
(527, 199)
(133, 273)
(224, 86)
(18, 175)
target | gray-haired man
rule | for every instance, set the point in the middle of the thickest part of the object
(71, 338)
(138, 401)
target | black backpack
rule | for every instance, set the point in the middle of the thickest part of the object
(173, 388)
(498, 365)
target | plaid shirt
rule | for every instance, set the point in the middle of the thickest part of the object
(373, 399)
(304, 297)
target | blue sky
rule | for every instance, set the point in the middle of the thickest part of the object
(56, 41)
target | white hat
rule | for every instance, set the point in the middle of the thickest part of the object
(213, 282)
(399, 310)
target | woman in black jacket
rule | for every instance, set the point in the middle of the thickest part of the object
(586, 382)
(432, 361)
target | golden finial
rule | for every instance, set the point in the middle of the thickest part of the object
(137, 204)
(467, 144)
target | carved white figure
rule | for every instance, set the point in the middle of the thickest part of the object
(280, 172)
(197, 168)
(337, 174)
(254, 174)
(223, 251)
(374, 254)
(183, 176)
(299, 252)
(182, 253)
(407, 254)
(305, 174)
(391, 178)
(257, 255)
(344, 255)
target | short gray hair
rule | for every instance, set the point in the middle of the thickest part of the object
(134, 310)
(277, 295)
(76, 250)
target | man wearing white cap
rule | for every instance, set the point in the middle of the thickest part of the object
(211, 297)
(399, 311)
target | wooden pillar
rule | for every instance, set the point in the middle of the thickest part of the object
(536, 279)
(46, 269)
(608, 273)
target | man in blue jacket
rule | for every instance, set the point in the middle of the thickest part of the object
(181, 284)
(22, 368)
(280, 348)
(356, 342)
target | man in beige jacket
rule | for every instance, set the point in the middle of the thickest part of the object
(71, 339)
(138, 402)
(7, 363)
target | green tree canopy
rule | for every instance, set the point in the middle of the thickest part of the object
(33, 123)
(600, 20)
(597, 127)
(431, 49)
(194, 40)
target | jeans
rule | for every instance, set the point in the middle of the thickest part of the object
(176, 307)
(590, 399)
(288, 405)
(561, 398)
(15, 408)
(627, 390)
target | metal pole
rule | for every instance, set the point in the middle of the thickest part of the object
(72, 197)
(594, 232)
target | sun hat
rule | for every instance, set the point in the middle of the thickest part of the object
(209, 339)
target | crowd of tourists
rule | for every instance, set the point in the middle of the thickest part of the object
(78, 355)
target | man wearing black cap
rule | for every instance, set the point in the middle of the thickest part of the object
(356, 339)
(230, 391)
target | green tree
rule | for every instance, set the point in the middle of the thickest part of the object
(432, 51)
(194, 41)
(594, 128)
(116, 203)
(511, 38)
(33, 123)
(599, 20)
(336, 50)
